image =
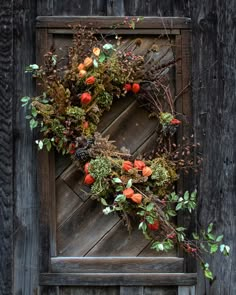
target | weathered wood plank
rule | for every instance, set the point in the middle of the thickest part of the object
(117, 264)
(106, 22)
(68, 31)
(66, 201)
(160, 290)
(214, 109)
(131, 290)
(26, 201)
(79, 7)
(74, 179)
(187, 290)
(6, 147)
(90, 291)
(134, 120)
(84, 229)
(45, 7)
(118, 242)
(115, 279)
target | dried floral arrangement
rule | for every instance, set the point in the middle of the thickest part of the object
(68, 111)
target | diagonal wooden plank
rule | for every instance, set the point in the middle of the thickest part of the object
(118, 242)
(84, 229)
(66, 201)
(74, 178)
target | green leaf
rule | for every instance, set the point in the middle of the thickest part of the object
(25, 99)
(117, 180)
(129, 183)
(48, 146)
(34, 112)
(211, 237)
(210, 227)
(208, 274)
(179, 206)
(213, 248)
(40, 144)
(219, 238)
(28, 117)
(34, 67)
(180, 229)
(108, 46)
(225, 249)
(160, 247)
(95, 63)
(104, 202)
(186, 196)
(120, 198)
(150, 219)
(150, 206)
(33, 124)
(119, 188)
(195, 236)
(102, 57)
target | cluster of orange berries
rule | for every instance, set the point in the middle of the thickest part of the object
(140, 165)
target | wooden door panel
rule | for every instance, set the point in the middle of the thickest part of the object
(82, 230)
(94, 253)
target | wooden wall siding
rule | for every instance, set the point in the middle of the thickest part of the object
(119, 291)
(6, 147)
(82, 228)
(213, 75)
(214, 109)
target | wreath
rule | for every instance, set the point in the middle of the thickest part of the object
(75, 93)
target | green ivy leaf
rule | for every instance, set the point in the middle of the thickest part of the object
(186, 196)
(210, 227)
(33, 124)
(104, 202)
(129, 183)
(117, 180)
(108, 46)
(179, 206)
(120, 198)
(95, 63)
(213, 248)
(25, 99)
(219, 238)
(150, 206)
(208, 274)
(102, 57)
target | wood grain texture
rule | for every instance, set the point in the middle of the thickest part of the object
(214, 109)
(84, 229)
(79, 7)
(6, 147)
(160, 291)
(115, 279)
(89, 291)
(187, 290)
(117, 264)
(131, 290)
(26, 201)
(106, 22)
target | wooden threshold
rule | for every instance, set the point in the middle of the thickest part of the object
(117, 265)
(116, 279)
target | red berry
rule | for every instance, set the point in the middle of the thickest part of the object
(85, 98)
(89, 179)
(135, 88)
(154, 226)
(86, 166)
(128, 87)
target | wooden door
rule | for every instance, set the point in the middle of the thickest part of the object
(81, 247)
